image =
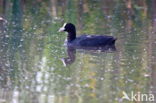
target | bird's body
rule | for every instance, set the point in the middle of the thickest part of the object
(92, 41)
(86, 40)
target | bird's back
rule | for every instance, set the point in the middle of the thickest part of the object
(94, 40)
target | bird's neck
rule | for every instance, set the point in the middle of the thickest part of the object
(71, 36)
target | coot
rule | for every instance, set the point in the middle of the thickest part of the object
(85, 40)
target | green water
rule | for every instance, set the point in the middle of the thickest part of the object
(31, 50)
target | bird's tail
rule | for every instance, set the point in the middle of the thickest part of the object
(113, 42)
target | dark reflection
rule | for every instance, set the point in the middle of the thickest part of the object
(71, 52)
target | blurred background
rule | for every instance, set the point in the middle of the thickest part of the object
(31, 49)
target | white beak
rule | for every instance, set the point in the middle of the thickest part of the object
(61, 29)
(2, 19)
(63, 61)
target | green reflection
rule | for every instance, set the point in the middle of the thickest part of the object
(31, 50)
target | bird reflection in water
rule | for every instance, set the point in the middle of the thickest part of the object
(71, 52)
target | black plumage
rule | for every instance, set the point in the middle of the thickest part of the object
(86, 40)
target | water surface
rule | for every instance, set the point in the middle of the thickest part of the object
(32, 51)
